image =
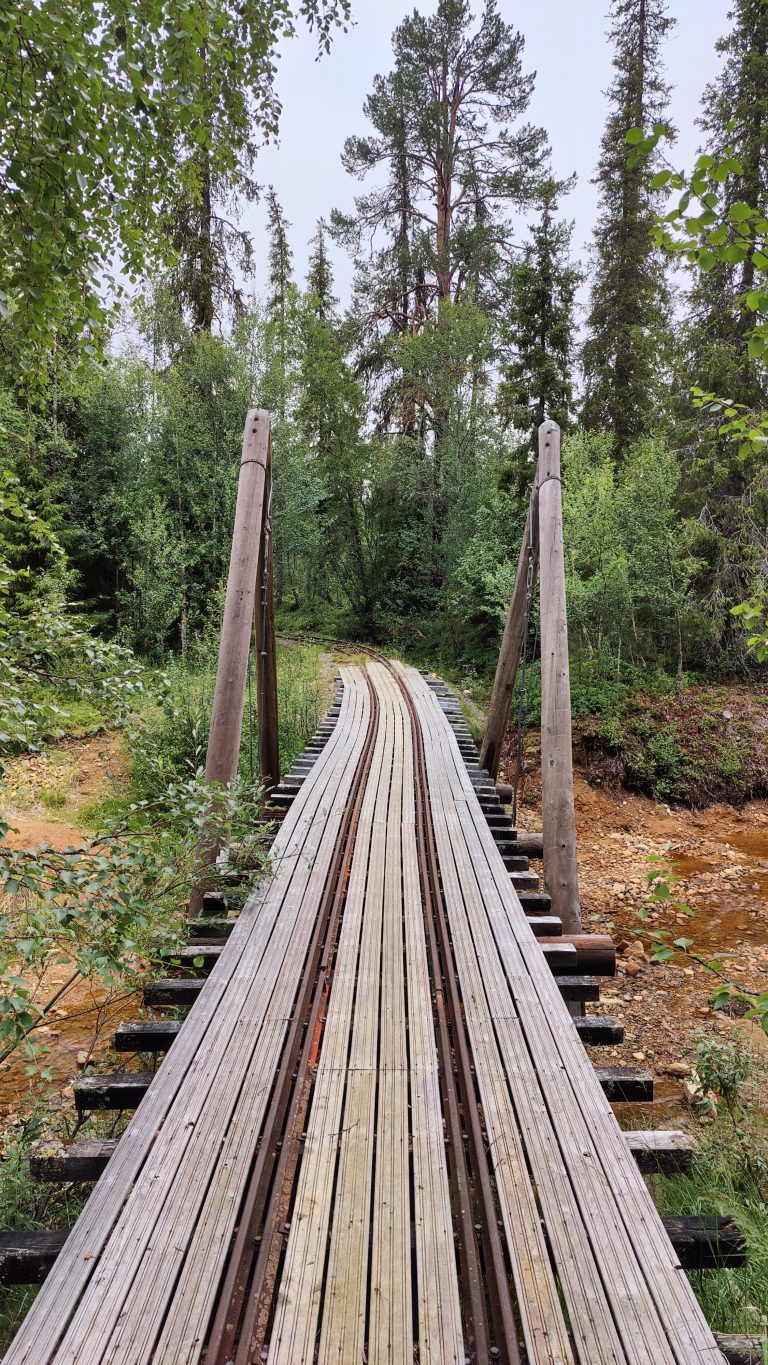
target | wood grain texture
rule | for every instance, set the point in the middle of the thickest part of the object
(620, 1279)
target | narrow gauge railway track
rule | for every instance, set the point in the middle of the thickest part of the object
(240, 1332)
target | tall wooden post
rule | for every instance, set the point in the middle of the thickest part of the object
(266, 651)
(239, 605)
(512, 642)
(223, 750)
(559, 821)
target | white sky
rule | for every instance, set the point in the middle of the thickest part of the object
(564, 43)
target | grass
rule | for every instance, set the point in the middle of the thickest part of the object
(95, 814)
(26, 1204)
(734, 1301)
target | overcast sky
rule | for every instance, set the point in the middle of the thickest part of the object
(565, 45)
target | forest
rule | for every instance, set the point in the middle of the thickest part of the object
(140, 320)
(405, 419)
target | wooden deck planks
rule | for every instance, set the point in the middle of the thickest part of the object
(361, 1106)
(349, 1042)
(89, 1279)
(437, 1291)
(370, 1270)
(627, 1270)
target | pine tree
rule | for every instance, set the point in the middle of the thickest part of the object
(735, 121)
(456, 158)
(628, 334)
(537, 382)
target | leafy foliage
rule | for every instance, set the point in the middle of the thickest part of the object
(106, 910)
(111, 115)
(50, 654)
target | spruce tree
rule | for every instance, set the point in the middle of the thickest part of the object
(735, 121)
(320, 275)
(537, 382)
(281, 303)
(628, 333)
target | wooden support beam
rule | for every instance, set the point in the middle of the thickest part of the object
(599, 1030)
(195, 959)
(59, 1162)
(223, 750)
(573, 988)
(704, 1243)
(536, 902)
(655, 1151)
(532, 845)
(118, 1090)
(229, 693)
(169, 992)
(545, 926)
(660, 1152)
(558, 816)
(146, 1035)
(511, 643)
(742, 1350)
(625, 1084)
(26, 1256)
(560, 957)
(210, 928)
(595, 953)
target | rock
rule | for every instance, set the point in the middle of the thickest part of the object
(676, 1069)
(636, 950)
(633, 967)
(82, 1058)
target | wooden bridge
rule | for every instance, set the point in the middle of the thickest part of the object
(377, 1135)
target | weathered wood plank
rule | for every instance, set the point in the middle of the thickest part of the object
(71, 1161)
(146, 1035)
(75, 1307)
(657, 1151)
(26, 1257)
(638, 1269)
